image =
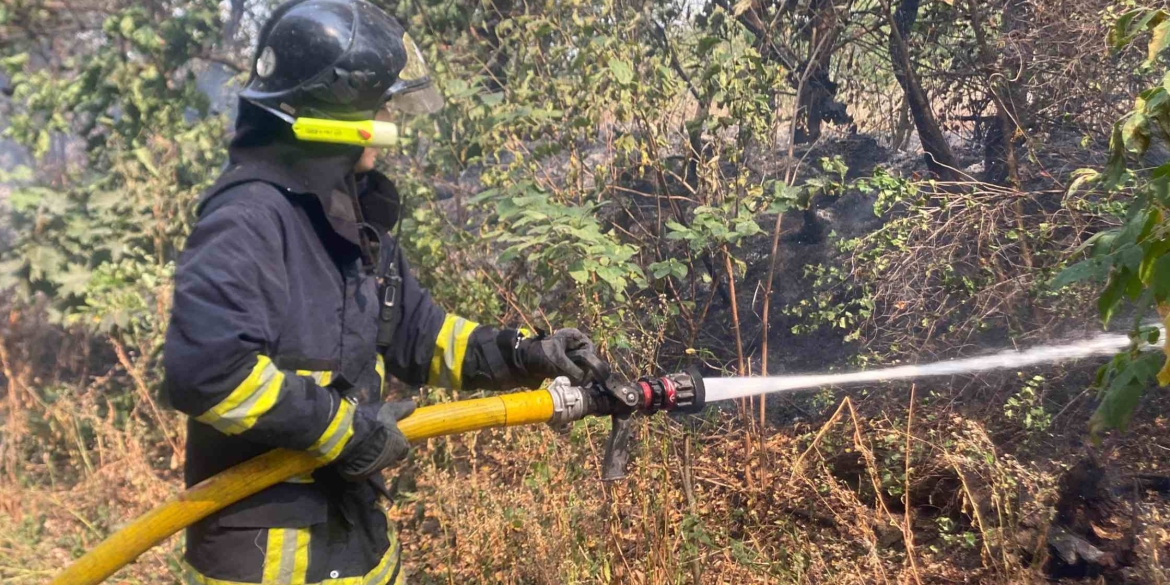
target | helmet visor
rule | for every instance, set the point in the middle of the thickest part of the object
(414, 92)
(423, 99)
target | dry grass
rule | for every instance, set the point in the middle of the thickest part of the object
(42, 528)
(523, 506)
(819, 503)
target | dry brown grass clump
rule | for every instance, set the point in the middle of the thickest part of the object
(719, 504)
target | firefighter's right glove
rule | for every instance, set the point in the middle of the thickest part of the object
(568, 352)
(383, 447)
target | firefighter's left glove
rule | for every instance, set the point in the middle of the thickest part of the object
(383, 447)
(568, 352)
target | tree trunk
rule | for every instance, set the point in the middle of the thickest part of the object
(817, 102)
(939, 158)
(1000, 159)
(232, 25)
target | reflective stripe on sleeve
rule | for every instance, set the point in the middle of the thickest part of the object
(329, 445)
(321, 378)
(450, 347)
(249, 401)
(380, 367)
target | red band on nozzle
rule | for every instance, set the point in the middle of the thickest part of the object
(647, 395)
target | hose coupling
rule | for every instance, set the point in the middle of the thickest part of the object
(569, 402)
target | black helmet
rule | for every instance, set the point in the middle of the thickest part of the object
(339, 59)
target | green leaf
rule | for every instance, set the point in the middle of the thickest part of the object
(14, 63)
(509, 255)
(706, 43)
(1115, 167)
(105, 200)
(143, 156)
(1152, 101)
(1137, 225)
(28, 199)
(1128, 258)
(668, 267)
(747, 227)
(11, 272)
(1129, 25)
(1091, 269)
(581, 276)
(1112, 294)
(1159, 40)
(73, 281)
(122, 318)
(621, 71)
(1161, 279)
(484, 195)
(614, 276)
(1136, 133)
(43, 143)
(44, 262)
(1129, 381)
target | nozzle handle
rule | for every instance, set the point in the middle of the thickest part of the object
(617, 448)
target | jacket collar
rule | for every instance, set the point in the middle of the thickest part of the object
(264, 148)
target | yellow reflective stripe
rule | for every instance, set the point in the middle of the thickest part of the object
(463, 331)
(450, 347)
(400, 574)
(380, 367)
(300, 564)
(286, 556)
(249, 401)
(380, 575)
(329, 445)
(273, 552)
(389, 567)
(321, 378)
(435, 376)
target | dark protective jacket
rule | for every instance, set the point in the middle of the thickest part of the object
(272, 344)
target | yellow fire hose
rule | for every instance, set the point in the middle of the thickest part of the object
(276, 466)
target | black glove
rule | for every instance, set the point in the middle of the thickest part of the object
(380, 449)
(568, 352)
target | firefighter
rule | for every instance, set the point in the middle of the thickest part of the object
(293, 303)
